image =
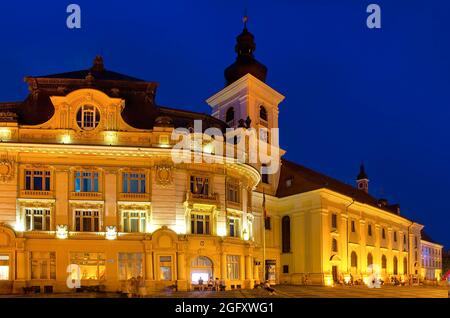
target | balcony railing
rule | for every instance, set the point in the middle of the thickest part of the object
(134, 197)
(87, 195)
(36, 194)
(212, 199)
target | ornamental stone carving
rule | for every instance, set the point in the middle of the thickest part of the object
(164, 175)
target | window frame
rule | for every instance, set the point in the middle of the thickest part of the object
(207, 222)
(92, 217)
(46, 217)
(94, 178)
(32, 174)
(88, 117)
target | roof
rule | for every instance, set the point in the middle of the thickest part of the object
(426, 237)
(140, 111)
(304, 179)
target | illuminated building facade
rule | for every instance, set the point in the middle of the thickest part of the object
(431, 259)
(88, 182)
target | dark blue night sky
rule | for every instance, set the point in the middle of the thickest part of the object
(352, 94)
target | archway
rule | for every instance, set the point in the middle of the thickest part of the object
(201, 267)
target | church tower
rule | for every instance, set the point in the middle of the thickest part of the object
(247, 101)
(362, 180)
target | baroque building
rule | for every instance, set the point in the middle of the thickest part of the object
(89, 189)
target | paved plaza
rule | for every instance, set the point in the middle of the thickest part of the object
(281, 291)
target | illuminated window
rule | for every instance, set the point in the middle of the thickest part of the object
(37, 180)
(37, 220)
(165, 268)
(233, 267)
(199, 185)
(92, 265)
(87, 220)
(200, 223)
(88, 117)
(383, 262)
(233, 191)
(233, 227)
(131, 265)
(86, 181)
(133, 182)
(43, 265)
(4, 267)
(134, 221)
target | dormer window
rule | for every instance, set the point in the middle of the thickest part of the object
(88, 117)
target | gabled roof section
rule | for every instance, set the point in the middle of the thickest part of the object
(303, 179)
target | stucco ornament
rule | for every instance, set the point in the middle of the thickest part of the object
(6, 170)
(164, 175)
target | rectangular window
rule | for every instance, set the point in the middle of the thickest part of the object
(233, 190)
(37, 220)
(86, 181)
(134, 221)
(334, 221)
(199, 185)
(4, 267)
(267, 223)
(369, 229)
(165, 267)
(37, 180)
(92, 265)
(233, 267)
(87, 220)
(233, 227)
(395, 236)
(264, 176)
(133, 182)
(200, 223)
(131, 265)
(353, 227)
(43, 265)
(285, 269)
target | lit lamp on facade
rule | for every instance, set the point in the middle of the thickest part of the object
(19, 227)
(5, 134)
(66, 139)
(221, 231)
(111, 137)
(111, 233)
(246, 236)
(62, 232)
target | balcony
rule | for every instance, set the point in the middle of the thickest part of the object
(234, 205)
(36, 194)
(202, 199)
(86, 195)
(134, 197)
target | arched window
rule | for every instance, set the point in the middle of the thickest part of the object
(383, 262)
(263, 113)
(229, 117)
(286, 234)
(88, 117)
(334, 245)
(395, 265)
(354, 260)
(405, 266)
(369, 259)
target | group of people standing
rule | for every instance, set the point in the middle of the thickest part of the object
(135, 287)
(212, 285)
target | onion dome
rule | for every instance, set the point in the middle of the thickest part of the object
(245, 61)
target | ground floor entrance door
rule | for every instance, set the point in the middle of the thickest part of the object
(201, 268)
(334, 270)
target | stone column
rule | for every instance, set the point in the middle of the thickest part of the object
(242, 269)
(21, 266)
(62, 214)
(248, 271)
(110, 192)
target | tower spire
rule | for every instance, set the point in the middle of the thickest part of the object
(362, 180)
(245, 19)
